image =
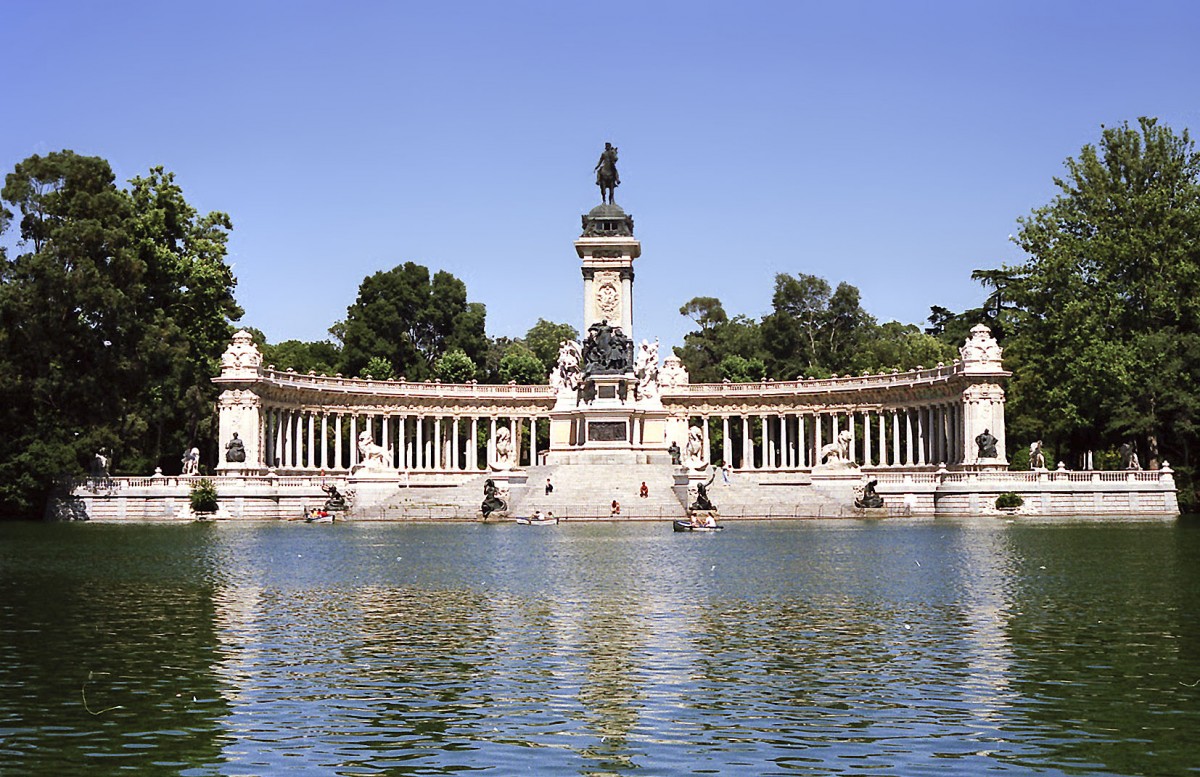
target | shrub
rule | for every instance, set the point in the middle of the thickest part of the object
(204, 496)
(1008, 499)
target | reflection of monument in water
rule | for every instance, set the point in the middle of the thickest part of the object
(928, 441)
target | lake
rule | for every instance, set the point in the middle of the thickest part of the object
(891, 647)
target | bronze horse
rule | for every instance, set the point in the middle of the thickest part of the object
(607, 177)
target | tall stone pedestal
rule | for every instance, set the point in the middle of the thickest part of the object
(603, 422)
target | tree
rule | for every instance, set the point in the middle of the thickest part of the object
(813, 330)
(112, 323)
(321, 357)
(454, 366)
(544, 338)
(521, 365)
(409, 319)
(901, 347)
(718, 338)
(1107, 328)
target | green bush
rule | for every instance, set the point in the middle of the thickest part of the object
(1008, 499)
(204, 496)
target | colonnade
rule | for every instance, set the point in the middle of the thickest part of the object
(923, 435)
(327, 440)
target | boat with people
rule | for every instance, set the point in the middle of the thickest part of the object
(537, 519)
(696, 524)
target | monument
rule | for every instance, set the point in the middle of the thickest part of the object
(607, 406)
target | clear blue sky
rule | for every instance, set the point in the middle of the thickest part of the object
(890, 145)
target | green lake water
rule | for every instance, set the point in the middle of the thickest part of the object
(977, 646)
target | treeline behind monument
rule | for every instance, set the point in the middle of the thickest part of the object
(118, 304)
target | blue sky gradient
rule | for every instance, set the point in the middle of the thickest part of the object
(890, 145)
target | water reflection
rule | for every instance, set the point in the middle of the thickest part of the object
(821, 647)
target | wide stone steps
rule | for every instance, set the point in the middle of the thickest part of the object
(584, 492)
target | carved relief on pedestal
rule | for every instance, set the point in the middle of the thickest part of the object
(608, 294)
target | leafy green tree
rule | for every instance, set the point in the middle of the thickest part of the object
(521, 365)
(321, 357)
(1106, 342)
(454, 366)
(901, 347)
(378, 368)
(112, 322)
(813, 330)
(717, 338)
(544, 337)
(739, 369)
(404, 316)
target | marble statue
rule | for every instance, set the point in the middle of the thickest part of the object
(567, 374)
(693, 454)
(607, 177)
(100, 464)
(673, 372)
(987, 445)
(191, 461)
(645, 368)
(1129, 457)
(502, 450)
(1037, 459)
(372, 456)
(837, 453)
(235, 449)
(869, 499)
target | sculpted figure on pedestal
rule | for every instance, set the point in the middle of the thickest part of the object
(607, 177)
(235, 449)
(373, 456)
(693, 454)
(1037, 459)
(869, 499)
(567, 373)
(191, 461)
(607, 350)
(837, 453)
(646, 369)
(986, 443)
(502, 448)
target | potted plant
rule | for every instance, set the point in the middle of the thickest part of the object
(203, 498)
(1009, 503)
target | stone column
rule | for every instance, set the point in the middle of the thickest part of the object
(866, 438)
(473, 448)
(747, 449)
(704, 436)
(533, 441)
(726, 443)
(766, 437)
(803, 458)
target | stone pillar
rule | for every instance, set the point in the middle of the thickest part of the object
(896, 459)
(704, 436)
(747, 449)
(766, 437)
(726, 443)
(473, 448)
(803, 458)
(533, 441)
(867, 438)
(922, 431)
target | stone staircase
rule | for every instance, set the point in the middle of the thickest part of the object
(423, 502)
(586, 491)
